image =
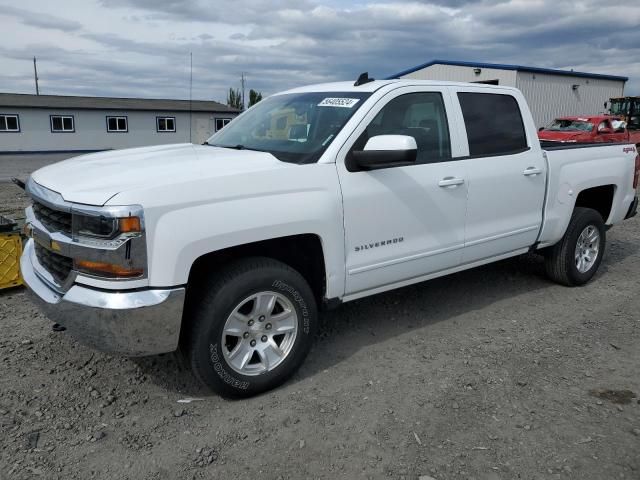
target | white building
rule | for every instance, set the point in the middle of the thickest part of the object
(550, 93)
(54, 123)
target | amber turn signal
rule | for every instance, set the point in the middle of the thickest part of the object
(107, 269)
(130, 225)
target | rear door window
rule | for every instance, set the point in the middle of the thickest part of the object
(493, 123)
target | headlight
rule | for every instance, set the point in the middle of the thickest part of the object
(111, 242)
(100, 226)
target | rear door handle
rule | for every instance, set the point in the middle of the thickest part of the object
(532, 171)
(450, 182)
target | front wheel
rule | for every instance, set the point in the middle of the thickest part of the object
(252, 327)
(575, 259)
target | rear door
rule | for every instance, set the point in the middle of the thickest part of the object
(506, 173)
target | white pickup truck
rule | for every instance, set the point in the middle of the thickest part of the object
(313, 197)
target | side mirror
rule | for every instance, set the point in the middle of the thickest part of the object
(604, 130)
(385, 151)
(540, 129)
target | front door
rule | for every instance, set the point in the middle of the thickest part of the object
(403, 223)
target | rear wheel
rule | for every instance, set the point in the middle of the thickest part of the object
(252, 328)
(575, 259)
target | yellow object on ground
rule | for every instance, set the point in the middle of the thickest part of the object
(10, 251)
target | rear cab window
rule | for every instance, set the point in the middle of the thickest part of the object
(493, 122)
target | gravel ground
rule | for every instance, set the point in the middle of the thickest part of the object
(494, 373)
(12, 201)
(22, 165)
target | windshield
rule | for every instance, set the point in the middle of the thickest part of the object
(561, 125)
(295, 127)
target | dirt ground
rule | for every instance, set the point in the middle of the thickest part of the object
(21, 165)
(494, 373)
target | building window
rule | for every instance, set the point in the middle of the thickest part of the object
(221, 123)
(62, 124)
(117, 124)
(9, 123)
(166, 124)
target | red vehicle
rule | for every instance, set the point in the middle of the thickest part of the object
(588, 129)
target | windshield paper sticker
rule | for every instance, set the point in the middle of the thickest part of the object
(339, 102)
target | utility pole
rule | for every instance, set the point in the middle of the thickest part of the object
(190, 92)
(35, 73)
(242, 82)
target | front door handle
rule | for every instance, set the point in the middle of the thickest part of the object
(531, 171)
(450, 182)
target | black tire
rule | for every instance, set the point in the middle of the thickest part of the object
(235, 283)
(560, 261)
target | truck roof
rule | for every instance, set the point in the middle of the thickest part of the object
(376, 84)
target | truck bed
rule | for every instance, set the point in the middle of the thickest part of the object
(573, 168)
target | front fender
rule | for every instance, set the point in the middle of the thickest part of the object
(179, 236)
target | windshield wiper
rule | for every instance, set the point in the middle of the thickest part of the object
(234, 147)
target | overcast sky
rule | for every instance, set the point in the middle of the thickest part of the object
(140, 48)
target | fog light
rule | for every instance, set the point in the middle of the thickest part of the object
(104, 269)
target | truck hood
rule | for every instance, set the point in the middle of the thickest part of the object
(95, 178)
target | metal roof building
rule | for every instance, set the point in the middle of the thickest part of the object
(56, 123)
(550, 93)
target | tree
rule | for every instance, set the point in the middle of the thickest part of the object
(254, 97)
(234, 99)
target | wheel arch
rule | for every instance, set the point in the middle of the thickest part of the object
(598, 198)
(304, 253)
(562, 201)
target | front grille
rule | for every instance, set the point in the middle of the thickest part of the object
(57, 265)
(53, 220)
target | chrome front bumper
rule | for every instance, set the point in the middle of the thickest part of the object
(132, 323)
